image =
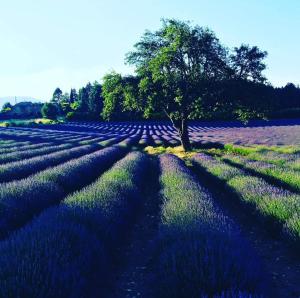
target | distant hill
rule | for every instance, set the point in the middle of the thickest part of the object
(11, 100)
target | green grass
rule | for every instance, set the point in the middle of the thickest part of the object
(26, 122)
(281, 174)
(177, 151)
(247, 150)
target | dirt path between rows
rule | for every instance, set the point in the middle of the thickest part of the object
(280, 262)
(133, 278)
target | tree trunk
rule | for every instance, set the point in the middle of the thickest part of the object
(182, 128)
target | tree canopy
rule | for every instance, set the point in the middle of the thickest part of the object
(183, 72)
(119, 95)
(49, 110)
(180, 64)
(6, 107)
(56, 95)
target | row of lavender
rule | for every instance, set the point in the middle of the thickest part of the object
(279, 165)
(286, 175)
(22, 146)
(258, 184)
(265, 132)
(152, 133)
(201, 251)
(69, 249)
(35, 134)
(156, 135)
(48, 177)
(47, 172)
(55, 171)
(20, 200)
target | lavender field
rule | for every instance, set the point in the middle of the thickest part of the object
(109, 210)
(270, 133)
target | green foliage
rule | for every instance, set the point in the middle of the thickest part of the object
(184, 72)
(119, 95)
(71, 115)
(113, 96)
(86, 105)
(171, 65)
(239, 149)
(83, 98)
(57, 94)
(286, 113)
(243, 150)
(247, 63)
(64, 103)
(73, 96)
(21, 110)
(50, 110)
(183, 67)
(245, 114)
(6, 107)
(95, 101)
(26, 122)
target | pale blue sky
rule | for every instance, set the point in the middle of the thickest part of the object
(66, 43)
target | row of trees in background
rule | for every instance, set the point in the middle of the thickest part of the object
(283, 102)
(86, 104)
(182, 72)
(21, 110)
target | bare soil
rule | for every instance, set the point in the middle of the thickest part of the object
(134, 275)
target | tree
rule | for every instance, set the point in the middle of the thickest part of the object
(56, 95)
(6, 107)
(83, 98)
(64, 103)
(95, 101)
(247, 63)
(247, 99)
(73, 96)
(88, 87)
(49, 110)
(119, 97)
(291, 96)
(112, 92)
(181, 66)
(175, 64)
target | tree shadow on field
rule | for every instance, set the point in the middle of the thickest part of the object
(207, 145)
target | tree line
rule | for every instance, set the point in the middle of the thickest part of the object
(279, 102)
(182, 72)
(86, 104)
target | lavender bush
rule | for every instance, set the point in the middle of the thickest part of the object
(31, 152)
(282, 175)
(201, 251)
(66, 252)
(21, 200)
(280, 206)
(23, 147)
(23, 168)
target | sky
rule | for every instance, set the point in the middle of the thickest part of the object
(46, 44)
